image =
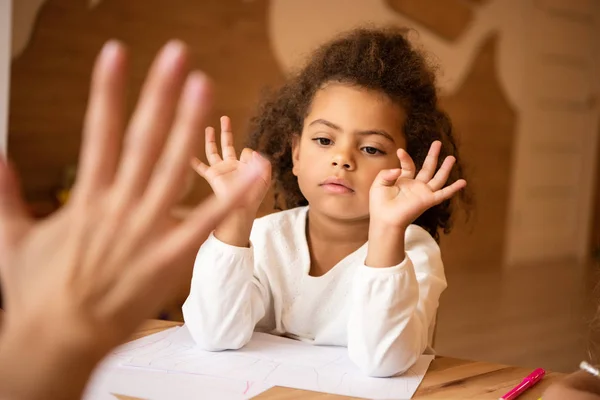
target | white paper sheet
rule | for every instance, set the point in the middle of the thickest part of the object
(110, 381)
(169, 365)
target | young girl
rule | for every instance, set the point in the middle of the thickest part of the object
(353, 261)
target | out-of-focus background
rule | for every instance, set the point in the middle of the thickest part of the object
(520, 79)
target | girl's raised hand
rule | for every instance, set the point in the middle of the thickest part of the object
(398, 198)
(223, 171)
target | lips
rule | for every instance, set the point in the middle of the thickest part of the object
(337, 185)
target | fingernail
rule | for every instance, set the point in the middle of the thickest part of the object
(110, 48)
(261, 155)
(196, 86)
(172, 50)
(174, 46)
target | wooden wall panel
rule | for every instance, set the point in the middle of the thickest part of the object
(484, 123)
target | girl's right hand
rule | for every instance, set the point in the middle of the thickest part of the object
(222, 173)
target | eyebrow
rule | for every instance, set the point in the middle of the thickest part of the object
(361, 133)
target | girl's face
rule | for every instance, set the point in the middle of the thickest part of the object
(349, 135)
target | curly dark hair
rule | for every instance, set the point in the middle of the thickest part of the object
(379, 59)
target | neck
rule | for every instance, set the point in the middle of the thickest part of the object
(324, 229)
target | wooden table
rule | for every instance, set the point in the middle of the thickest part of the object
(447, 378)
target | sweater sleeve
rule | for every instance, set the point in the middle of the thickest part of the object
(226, 300)
(392, 309)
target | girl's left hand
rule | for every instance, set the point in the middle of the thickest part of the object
(398, 198)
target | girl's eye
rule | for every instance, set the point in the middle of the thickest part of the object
(323, 141)
(372, 150)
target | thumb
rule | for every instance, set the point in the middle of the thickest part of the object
(262, 164)
(14, 218)
(387, 177)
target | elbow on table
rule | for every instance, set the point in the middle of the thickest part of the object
(212, 334)
(218, 341)
(386, 365)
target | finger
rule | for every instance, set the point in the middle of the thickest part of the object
(15, 221)
(246, 155)
(449, 191)
(166, 182)
(430, 163)
(227, 139)
(152, 119)
(199, 167)
(210, 146)
(103, 124)
(407, 164)
(441, 177)
(387, 177)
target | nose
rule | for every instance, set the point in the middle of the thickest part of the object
(343, 160)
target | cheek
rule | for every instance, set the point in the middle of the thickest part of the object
(374, 167)
(370, 177)
(308, 171)
(307, 161)
(301, 169)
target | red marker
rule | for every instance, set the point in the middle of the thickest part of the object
(528, 382)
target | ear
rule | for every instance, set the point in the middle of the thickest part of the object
(295, 153)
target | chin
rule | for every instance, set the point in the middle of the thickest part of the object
(341, 209)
